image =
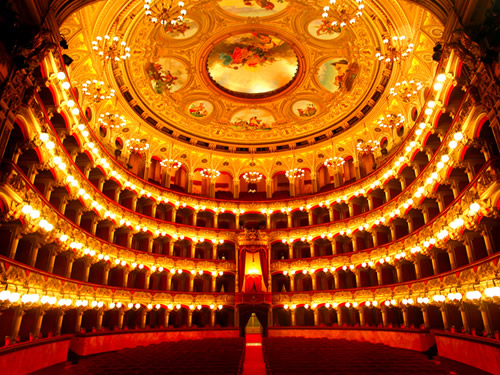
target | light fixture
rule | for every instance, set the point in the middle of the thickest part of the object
(112, 120)
(342, 13)
(97, 91)
(369, 145)
(166, 13)
(391, 120)
(406, 89)
(252, 177)
(295, 173)
(397, 49)
(170, 163)
(137, 145)
(210, 173)
(111, 48)
(335, 162)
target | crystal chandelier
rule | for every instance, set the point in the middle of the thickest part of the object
(112, 120)
(165, 12)
(397, 49)
(343, 13)
(137, 145)
(391, 120)
(295, 173)
(170, 163)
(252, 177)
(406, 89)
(336, 161)
(111, 48)
(367, 146)
(210, 173)
(97, 90)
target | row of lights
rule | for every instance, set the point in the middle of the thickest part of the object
(298, 172)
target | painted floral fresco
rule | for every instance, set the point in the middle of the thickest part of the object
(252, 63)
(166, 75)
(200, 109)
(338, 74)
(253, 8)
(252, 120)
(305, 108)
(323, 29)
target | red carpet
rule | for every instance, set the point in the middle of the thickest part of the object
(254, 360)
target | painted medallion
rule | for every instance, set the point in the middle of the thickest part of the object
(323, 29)
(304, 109)
(338, 74)
(253, 8)
(252, 120)
(200, 109)
(166, 75)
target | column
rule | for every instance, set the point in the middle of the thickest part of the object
(362, 316)
(195, 217)
(126, 272)
(191, 282)
(33, 254)
(380, 279)
(144, 314)
(385, 316)
(98, 324)
(86, 270)
(293, 317)
(106, 270)
(214, 284)
(236, 185)
(121, 314)
(290, 251)
(153, 209)
(16, 323)
(133, 205)
(470, 251)
(292, 187)
(418, 270)
(292, 283)
(451, 255)
(171, 247)
(465, 318)
(147, 277)
(38, 322)
(314, 281)
(165, 318)
(444, 316)
(399, 272)
(212, 318)
(357, 274)
(192, 250)
(69, 265)
(169, 281)
(316, 317)
(150, 244)
(190, 318)
(370, 202)
(406, 318)
(211, 188)
(289, 219)
(336, 277)
(174, 214)
(425, 315)
(268, 221)
(330, 213)
(216, 220)
(59, 321)
(13, 245)
(490, 247)
(269, 187)
(339, 317)
(310, 217)
(483, 307)
(78, 320)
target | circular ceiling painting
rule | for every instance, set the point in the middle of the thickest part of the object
(252, 65)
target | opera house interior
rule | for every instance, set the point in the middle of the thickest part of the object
(249, 187)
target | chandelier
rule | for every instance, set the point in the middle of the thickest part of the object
(137, 145)
(367, 146)
(112, 120)
(171, 163)
(252, 177)
(391, 120)
(210, 173)
(336, 161)
(170, 16)
(295, 173)
(406, 89)
(97, 90)
(111, 48)
(397, 49)
(343, 13)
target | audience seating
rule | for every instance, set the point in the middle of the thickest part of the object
(295, 355)
(196, 357)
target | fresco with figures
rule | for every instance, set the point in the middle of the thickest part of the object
(338, 74)
(252, 63)
(166, 75)
(252, 120)
(253, 8)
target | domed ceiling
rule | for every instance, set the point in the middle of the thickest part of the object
(245, 73)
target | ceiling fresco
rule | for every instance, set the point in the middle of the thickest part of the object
(252, 74)
(237, 68)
